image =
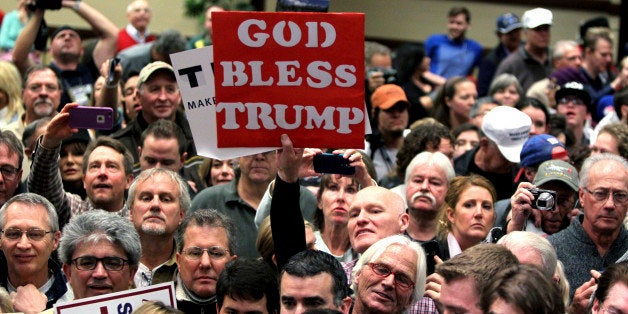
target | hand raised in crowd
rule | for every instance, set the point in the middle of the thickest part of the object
(583, 294)
(375, 79)
(59, 128)
(28, 299)
(361, 173)
(521, 203)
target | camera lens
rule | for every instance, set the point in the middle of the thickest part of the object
(545, 201)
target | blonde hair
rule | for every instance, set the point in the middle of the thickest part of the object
(11, 84)
(456, 187)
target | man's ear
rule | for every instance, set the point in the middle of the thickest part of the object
(55, 240)
(129, 180)
(345, 307)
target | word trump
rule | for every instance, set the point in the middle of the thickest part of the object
(274, 116)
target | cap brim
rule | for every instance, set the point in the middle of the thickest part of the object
(511, 153)
(510, 28)
(561, 179)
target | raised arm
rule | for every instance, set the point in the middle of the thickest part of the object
(286, 220)
(45, 178)
(25, 41)
(104, 28)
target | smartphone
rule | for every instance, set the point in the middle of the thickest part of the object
(431, 249)
(331, 163)
(112, 70)
(86, 117)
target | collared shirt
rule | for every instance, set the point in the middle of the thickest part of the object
(136, 35)
(165, 272)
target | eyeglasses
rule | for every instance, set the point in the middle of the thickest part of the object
(574, 100)
(384, 271)
(33, 234)
(215, 253)
(108, 262)
(9, 173)
(601, 195)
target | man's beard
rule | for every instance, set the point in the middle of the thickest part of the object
(153, 230)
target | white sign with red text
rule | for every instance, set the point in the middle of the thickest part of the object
(123, 302)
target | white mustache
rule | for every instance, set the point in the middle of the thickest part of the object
(424, 194)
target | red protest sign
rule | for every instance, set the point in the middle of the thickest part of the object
(294, 73)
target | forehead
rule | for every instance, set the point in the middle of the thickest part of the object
(99, 249)
(158, 182)
(317, 285)
(131, 82)
(161, 144)
(67, 32)
(105, 153)
(400, 256)
(608, 174)
(428, 169)
(205, 236)
(8, 156)
(33, 215)
(377, 197)
(43, 75)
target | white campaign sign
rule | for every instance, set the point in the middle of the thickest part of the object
(123, 302)
(195, 76)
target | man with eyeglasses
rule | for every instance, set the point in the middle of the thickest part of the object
(100, 252)
(596, 238)
(158, 199)
(574, 102)
(376, 291)
(29, 235)
(159, 97)
(205, 243)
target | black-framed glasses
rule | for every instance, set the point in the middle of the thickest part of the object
(214, 252)
(401, 280)
(601, 195)
(33, 234)
(89, 262)
(9, 173)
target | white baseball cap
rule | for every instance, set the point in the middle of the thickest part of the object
(537, 17)
(509, 128)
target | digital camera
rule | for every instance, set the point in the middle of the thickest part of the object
(543, 199)
(390, 75)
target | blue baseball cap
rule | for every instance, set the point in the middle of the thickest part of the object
(540, 148)
(508, 22)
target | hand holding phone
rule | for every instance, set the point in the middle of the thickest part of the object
(332, 163)
(86, 117)
(113, 62)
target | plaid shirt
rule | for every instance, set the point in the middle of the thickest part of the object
(424, 305)
(45, 180)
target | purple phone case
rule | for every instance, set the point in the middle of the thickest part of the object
(85, 117)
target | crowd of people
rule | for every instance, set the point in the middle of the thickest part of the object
(492, 182)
